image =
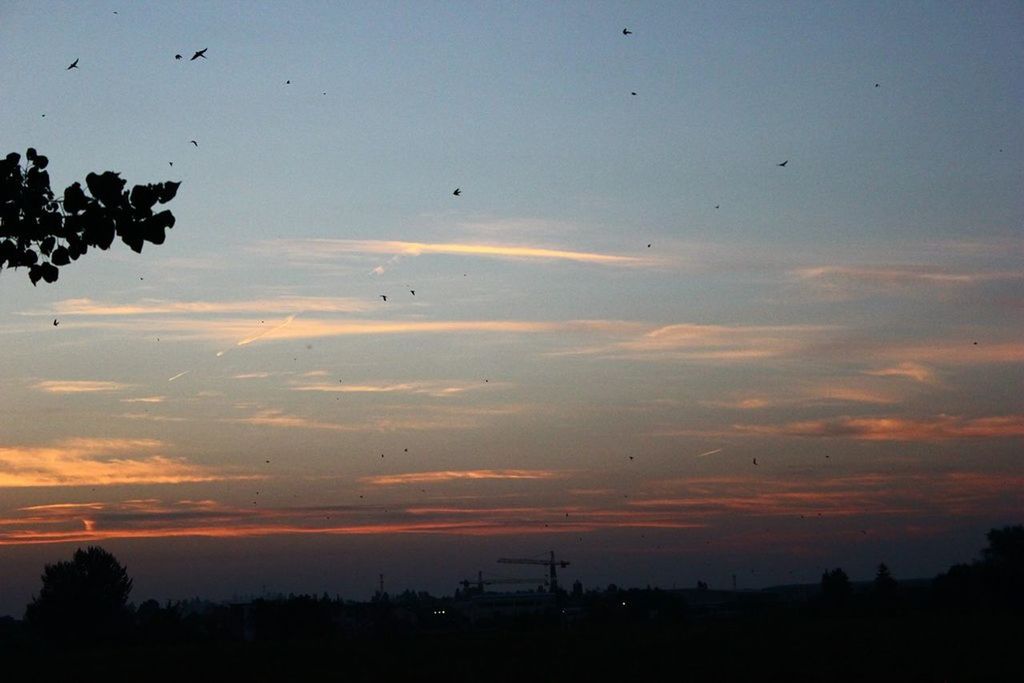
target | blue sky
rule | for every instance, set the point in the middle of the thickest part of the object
(558, 383)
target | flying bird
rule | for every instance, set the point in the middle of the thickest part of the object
(74, 65)
(632, 93)
(287, 82)
(177, 56)
(194, 143)
(170, 163)
(457, 192)
(55, 323)
(626, 32)
(716, 206)
(199, 53)
(876, 85)
(384, 296)
(783, 164)
(413, 292)
(755, 461)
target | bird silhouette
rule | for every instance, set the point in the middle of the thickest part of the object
(876, 85)
(413, 292)
(457, 192)
(287, 82)
(632, 93)
(170, 163)
(194, 143)
(755, 461)
(384, 296)
(55, 323)
(626, 32)
(716, 206)
(199, 53)
(74, 65)
(177, 56)
(783, 164)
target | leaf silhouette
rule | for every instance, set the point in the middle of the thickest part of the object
(34, 224)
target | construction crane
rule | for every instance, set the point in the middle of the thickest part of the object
(481, 582)
(551, 563)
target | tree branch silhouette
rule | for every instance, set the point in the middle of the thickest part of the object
(40, 232)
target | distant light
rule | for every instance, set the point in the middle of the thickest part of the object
(623, 604)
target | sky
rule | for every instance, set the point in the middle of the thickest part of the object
(636, 339)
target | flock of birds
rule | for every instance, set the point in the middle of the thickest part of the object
(457, 192)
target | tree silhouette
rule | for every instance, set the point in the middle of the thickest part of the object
(1005, 547)
(835, 587)
(884, 583)
(42, 233)
(82, 600)
(995, 582)
(885, 589)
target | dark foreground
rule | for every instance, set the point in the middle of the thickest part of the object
(775, 645)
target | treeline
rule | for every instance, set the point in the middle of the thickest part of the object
(961, 625)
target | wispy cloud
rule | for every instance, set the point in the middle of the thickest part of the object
(909, 370)
(327, 248)
(714, 343)
(276, 418)
(61, 386)
(281, 304)
(940, 428)
(887, 276)
(144, 399)
(460, 475)
(850, 503)
(437, 389)
(96, 462)
(383, 423)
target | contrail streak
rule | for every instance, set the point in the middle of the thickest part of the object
(288, 321)
(717, 450)
(180, 374)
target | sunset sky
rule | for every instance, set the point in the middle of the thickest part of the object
(634, 340)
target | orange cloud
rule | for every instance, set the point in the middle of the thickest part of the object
(457, 475)
(938, 428)
(77, 386)
(852, 502)
(97, 462)
(437, 389)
